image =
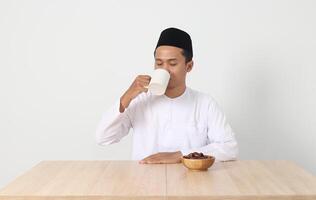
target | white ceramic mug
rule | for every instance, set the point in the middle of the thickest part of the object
(159, 81)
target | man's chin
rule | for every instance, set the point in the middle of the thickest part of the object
(170, 87)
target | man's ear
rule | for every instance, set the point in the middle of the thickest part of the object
(189, 66)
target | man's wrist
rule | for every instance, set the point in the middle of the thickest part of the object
(124, 102)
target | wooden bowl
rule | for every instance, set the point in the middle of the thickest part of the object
(198, 164)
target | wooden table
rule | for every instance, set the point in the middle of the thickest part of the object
(242, 180)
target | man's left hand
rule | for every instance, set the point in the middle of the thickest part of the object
(163, 158)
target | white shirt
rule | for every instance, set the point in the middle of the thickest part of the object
(188, 123)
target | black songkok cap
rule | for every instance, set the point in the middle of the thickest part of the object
(177, 38)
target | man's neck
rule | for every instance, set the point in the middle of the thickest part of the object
(175, 92)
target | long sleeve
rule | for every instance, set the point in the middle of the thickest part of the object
(113, 125)
(222, 143)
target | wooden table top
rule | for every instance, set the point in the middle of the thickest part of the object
(237, 180)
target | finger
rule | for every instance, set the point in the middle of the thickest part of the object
(153, 156)
(142, 89)
(149, 157)
(139, 87)
(143, 78)
(144, 159)
(144, 83)
(155, 161)
(141, 83)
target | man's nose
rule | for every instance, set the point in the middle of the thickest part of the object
(165, 67)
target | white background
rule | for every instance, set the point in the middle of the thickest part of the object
(63, 63)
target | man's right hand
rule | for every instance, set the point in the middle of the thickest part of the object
(138, 86)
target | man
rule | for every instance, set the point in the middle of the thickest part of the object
(177, 123)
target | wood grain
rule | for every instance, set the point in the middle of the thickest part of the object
(108, 180)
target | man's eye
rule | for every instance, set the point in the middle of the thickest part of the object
(159, 64)
(173, 64)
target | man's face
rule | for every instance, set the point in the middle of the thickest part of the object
(171, 59)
